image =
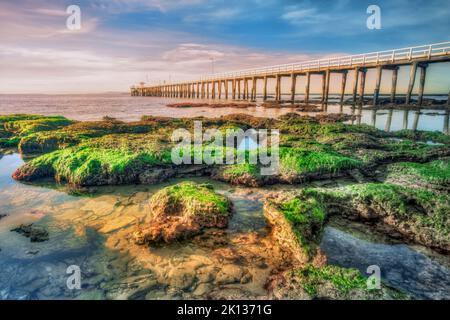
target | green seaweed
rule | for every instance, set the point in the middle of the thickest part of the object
(342, 279)
(306, 213)
(436, 172)
(237, 170)
(15, 127)
(190, 192)
(319, 159)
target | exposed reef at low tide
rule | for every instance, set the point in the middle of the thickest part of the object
(398, 185)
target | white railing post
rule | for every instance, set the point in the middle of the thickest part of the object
(429, 51)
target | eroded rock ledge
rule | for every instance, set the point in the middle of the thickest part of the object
(298, 218)
(111, 152)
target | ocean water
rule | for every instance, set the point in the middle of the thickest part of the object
(127, 108)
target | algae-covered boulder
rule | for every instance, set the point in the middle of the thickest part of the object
(327, 283)
(296, 221)
(242, 174)
(109, 160)
(73, 134)
(180, 211)
(15, 127)
(433, 175)
(312, 162)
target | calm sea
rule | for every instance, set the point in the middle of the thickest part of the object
(127, 108)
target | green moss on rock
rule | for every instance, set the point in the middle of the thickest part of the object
(343, 280)
(47, 141)
(180, 211)
(424, 136)
(316, 160)
(433, 175)
(115, 159)
(15, 127)
(328, 282)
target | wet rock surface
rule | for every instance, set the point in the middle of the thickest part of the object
(400, 266)
(182, 211)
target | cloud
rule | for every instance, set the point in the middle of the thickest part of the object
(214, 15)
(121, 6)
(192, 52)
(38, 20)
(299, 16)
(125, 42)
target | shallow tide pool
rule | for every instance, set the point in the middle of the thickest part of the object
(92, 232)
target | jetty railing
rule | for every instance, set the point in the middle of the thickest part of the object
(212, 86)
(424, 51)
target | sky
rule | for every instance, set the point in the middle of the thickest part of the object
(123, 42)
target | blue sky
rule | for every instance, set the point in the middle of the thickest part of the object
(323, 26)
(124, 42)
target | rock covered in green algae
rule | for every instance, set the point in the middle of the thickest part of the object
(326, 282)
(418, 215)
(109, 160)
(242, 174)
(296, 224)
(297, 220)
(111, 152)
(78, 132)
(15, 127)
(433, 175)
(180, 211)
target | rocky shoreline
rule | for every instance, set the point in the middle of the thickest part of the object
(400, 187)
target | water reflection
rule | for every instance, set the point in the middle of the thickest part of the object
(401, 266)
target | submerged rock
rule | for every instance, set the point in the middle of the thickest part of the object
(36, 234)
(182, 211)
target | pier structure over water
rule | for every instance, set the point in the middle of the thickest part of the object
(242, 85)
